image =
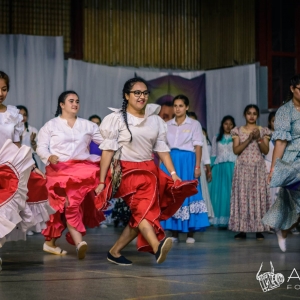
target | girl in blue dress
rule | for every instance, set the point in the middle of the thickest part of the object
(185, 139)
(284, 172)
(222, 162)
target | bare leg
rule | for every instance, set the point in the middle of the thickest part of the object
(148, 233)
(51, 243)
(76, 235)
(190, 234)
(128, 234)
(285, 232)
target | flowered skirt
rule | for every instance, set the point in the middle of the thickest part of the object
(192, 215)
(250, 197)
(150, 194)
(71, 188)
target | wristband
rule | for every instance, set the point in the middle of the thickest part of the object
(197, 168)
(259, 141)
(102, 182)
(172, 173)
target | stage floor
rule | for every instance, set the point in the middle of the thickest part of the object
(215, 267)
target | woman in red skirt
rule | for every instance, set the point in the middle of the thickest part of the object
(72, 174)
(137, 131)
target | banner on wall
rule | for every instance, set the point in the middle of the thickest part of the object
(164, 89)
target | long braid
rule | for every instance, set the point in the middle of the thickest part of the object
(124, 114)
(58, 111)
(126, 90)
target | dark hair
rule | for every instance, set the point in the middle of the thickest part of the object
(19, 107)
(207, 138)
(221, 130)
(126, 90)
(61, 99)
(184, 98)
(95, 117)
(251, 106)
(271, 115)
(294, 81)
(192, 114)
(5, 77)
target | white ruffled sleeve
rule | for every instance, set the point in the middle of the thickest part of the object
(109, 130)
(197, 137)
(161, 144)
(43, 143)
(14, 116)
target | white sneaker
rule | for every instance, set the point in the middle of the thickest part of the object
(295, 231)
(190, 240)
(281, 241)
(103, 226)
(29, 232)
(174, 239)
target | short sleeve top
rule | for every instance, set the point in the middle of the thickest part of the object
(11, 125)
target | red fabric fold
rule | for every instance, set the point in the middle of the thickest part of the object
(8, 183)
(37, 190)
(76, 180)
(150, 194)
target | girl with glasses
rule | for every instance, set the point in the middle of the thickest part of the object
(136, 131)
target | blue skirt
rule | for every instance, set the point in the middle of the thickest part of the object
(192, 216)
(220, 192)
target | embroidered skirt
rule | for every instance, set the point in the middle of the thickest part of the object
(192, 215)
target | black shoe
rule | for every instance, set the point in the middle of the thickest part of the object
(240, 236)
(259, 236)
(121, 261)
(163, 249)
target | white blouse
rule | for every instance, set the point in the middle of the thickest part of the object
(148, 134)
(185, 136)
(11, 125)
(205, 153)
(223, 150)
(26, 136)
(56, 137)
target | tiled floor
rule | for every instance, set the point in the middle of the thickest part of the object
(215, 267)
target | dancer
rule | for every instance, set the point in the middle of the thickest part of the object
(284, 213)
(72, 174)
(137, 131)
(223, 160)
(250, 195)
(16, 164)
(186, 140)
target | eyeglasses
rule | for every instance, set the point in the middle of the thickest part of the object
(139, 93)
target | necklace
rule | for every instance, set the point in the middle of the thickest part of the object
(297, 107)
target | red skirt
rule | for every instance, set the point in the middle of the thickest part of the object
(76, 180)
(150, 194)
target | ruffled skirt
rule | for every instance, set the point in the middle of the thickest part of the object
(74, 181)
(192, 215)
(150, 194)
(15, 215)
(286, 209)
